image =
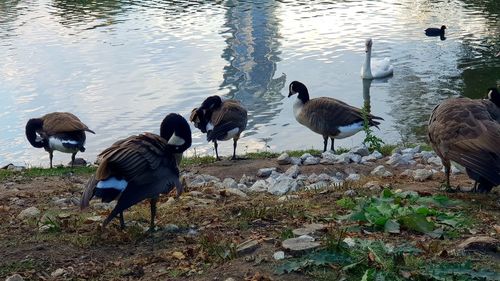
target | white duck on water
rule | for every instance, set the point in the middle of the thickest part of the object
(373, 69)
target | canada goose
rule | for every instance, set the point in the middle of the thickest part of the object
(375, 68)
(220, 120)
(60, 131)
(140, 167)
(467, 131)
(328, 117)
(432, 31)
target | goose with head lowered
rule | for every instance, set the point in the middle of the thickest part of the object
(140, 167)
(433, 31)
(467, 132)
(220, 120)
(61, 131)
(326, 116)
(375, 68)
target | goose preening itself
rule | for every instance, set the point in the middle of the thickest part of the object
(140, 167)
(220, 120)
(432, 31)
(61, 131)
(326, 116)
(467, 132)
(375, 68)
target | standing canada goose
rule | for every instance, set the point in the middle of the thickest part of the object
(328, 117)
(432, 31)
(140, 167)
(375, 68)
(220, 120)
(60, 131)
(467, 131)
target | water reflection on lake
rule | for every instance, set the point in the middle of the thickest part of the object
(121, 66)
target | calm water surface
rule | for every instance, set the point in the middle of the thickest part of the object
(121, 66)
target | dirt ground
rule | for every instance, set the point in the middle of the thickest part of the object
(68, 244)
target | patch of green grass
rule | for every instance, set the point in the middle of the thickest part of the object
(298, 153)
(196, 160)
(387, 149)
(47, 172)
(261, 155)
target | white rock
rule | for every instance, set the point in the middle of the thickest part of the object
(229, 183)
(350, 193)
(435, 161)
(324, 177)
(422, 174)
(305, 156)
(15, 277)
(412, 151)
(279, 255)
(237, 192)
(30, 212)
(398, 159)
(380, 171)
(353, 177)
(58, 272)
(373, 186)
(293, 171)
(259, 186)
(343, 158)
(369, 158)
(242, 186)
(288, 197)
(328, 158)
(247, 180)
(425, 155)
(312, 178)
(407, 173)
(350, 242)
(284, 159)
(295, 161)
(360, 150)
(311, 160)
(265, 172)
(282, 186)
(377, 155)
(355, 158)
(304, 242)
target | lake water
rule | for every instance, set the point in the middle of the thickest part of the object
(121, 66)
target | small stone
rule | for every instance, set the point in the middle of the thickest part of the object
(369, 158)
(343, 158)
(178, 255)
(265, 172)
(58, 272)
(422, 174)
(295, 161)
(301, 243)
(353, 177)
(247, 247)
(172, 228)
(305, 156)
(282, 186)
(230, 279)
(355, 158)
(12, 167)
(380, 171)
(373, 185)
(259, 186)
(79, 162)
(229, 183)
(237, 192)
(435, 161)
(284, 159)
(397, 159)
(279, 255)
(407, 173)
(30, 212)
(93, 219)
(377, 155)
(247, 180)
(413, 150)
(288, 197)
(293, 171)
(350, 193)
(324, 177)
(350, 242)
(15, 277)
(308, 229)
(311, 161)
(360, 150)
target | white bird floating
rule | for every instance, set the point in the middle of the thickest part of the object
(373, 69)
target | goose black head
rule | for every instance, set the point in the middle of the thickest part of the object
(443, 27)
(175, 129)
(297, 87)
(199, 119)
(32, 127)
(211, 103)
(494, 96)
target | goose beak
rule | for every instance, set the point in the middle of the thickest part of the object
(291, 93)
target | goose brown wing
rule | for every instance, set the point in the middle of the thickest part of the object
(61, 122)
(230, 111)
(327, 114)
(134, 157)
(462, 130)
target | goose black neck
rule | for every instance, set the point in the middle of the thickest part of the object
(494, 96)
(212, 102)
(176, 124)
(32, 126)
(303, 95)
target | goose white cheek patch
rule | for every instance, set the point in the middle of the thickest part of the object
(114, 183)
(175, 140)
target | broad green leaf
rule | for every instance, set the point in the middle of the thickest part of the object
(417, 222)
(391, 226)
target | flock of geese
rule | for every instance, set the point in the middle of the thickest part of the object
(143, 166)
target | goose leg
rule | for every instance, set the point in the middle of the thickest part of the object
(325, 142)
(234, 149)
(333, 150)
(447, 174)
(122, 221)
(73, 159)
(153, 201)
(216, 153)
(51, 155)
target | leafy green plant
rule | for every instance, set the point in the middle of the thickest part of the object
(217, 248)
(371, 141)
(390, 211)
